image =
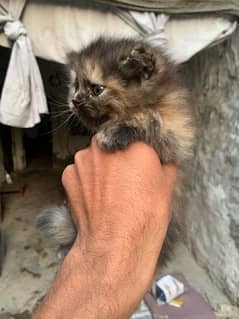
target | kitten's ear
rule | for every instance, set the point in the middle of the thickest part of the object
(72, 59)
(139, 64)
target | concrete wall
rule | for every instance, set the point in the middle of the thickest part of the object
(212, 211)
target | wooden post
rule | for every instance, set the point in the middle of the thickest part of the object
(18, 151)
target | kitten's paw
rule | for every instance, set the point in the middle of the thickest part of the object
(118, 137)
(140, 62)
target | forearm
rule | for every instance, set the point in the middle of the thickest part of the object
(92, 286)
(77, 291)
(96, 282)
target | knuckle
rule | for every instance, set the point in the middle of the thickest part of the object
(81, 157)
(77, 157)
(94, 141)
(67, 173)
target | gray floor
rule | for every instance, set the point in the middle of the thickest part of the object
(31, 261)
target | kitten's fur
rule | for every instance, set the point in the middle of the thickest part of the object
(141, 100)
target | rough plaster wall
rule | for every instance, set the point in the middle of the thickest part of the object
(212, 212)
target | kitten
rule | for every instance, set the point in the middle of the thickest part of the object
(125, 91)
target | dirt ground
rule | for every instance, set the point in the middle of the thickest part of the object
(31, 262)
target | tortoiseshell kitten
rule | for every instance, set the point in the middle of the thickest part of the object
(125, 91)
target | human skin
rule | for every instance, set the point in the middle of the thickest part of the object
(121, 203)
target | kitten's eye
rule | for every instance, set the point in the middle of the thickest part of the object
(97, 89)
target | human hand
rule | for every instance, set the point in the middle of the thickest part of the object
(121, 204)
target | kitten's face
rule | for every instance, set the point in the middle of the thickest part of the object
(110, 84)
(95, 99)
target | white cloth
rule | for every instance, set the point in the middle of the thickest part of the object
(23, 99)
(154, 26)
(149, 25)
(180, 38)
(13, 29)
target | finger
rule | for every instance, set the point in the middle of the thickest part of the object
(93, 143)
(72, 185)
(83, 164)
(67, 175)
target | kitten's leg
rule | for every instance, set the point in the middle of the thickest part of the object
(145, 127)
(117, 136)
(140, 63)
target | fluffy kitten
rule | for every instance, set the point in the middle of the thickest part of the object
(125, 91)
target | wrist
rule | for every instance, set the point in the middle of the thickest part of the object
(80, 290)
(112, 281)
(116, 265)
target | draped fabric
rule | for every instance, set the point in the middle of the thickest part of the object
(178, 7)
(22, 100)
(148, 24)
(176, 36)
